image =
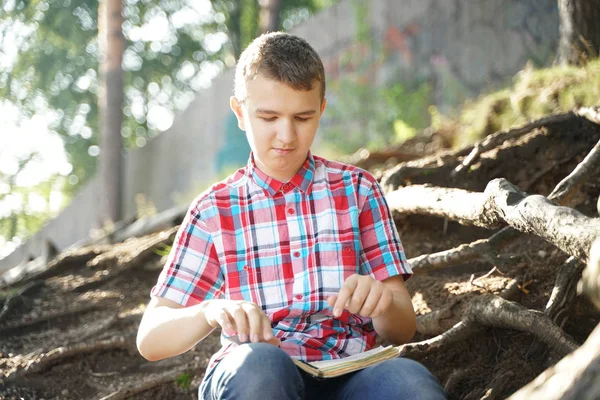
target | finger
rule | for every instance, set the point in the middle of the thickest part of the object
(254, 317)
(267, 331)
(344, 295)
(384, 303)
(220, 318)
(363, 288)
(371, 301)
(331, 300)
(241, 322)
(275, 341)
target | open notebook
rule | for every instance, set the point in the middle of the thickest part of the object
(341, 366)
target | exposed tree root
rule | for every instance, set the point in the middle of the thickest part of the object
(576, 376)
(98, 327)
(566, 228)
(591, 275)
(489, 247)
(117, 263)
(491, 310)
(496, 388)
(448, 162)
(496, 139)
(46, 317)
(64, 262)
(150, 382)
(46, 360)
(429, 324)
(496, 311)
(456, 377)
(578, 176)
(564, 292)
(463, 206)
(12, 301)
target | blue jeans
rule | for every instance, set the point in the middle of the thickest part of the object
(262, 371)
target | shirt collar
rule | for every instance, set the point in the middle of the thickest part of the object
(302, 180)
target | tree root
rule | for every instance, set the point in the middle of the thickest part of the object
(98, 328)
(429, 324)
(497, 386)
(13, 300)
(479, 248)
(64, 262)
(22, 326)
(564, 292)
(463, 206)
(119, 263)
(151, 382)
(497, 138)
(566, 228)
(576, 376)
(591, 275)
(492, 310)
(448, 161)
(46, 360)
(496, 311)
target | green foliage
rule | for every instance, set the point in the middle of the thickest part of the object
(534, 94)
(363, 115)
(56, 67)
(184, 381)
(163, 250)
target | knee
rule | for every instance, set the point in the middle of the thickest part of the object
(408, 377)
(258, 371)
(263, 362)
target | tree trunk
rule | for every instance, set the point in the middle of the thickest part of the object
(579, 30)
(269, 15)
(235, 28)
(110, 102)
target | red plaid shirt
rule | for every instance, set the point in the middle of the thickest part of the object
(287, 247)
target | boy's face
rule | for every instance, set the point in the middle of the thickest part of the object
(280, 124)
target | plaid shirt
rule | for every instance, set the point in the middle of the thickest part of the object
(287, 247)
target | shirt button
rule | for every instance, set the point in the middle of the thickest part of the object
(299, 297)
(296, 254)
(290, 211)
(245, 268)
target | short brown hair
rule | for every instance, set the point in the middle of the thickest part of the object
(278, 55)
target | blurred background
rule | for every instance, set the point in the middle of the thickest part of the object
(118, 110)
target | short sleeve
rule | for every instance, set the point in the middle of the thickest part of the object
(192, 273)
(382, 253)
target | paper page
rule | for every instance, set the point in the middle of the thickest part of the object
(355, 357)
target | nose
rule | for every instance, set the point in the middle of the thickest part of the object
(286, 132)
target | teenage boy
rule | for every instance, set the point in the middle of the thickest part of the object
(291, 256)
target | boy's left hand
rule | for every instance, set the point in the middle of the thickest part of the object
(362, 295)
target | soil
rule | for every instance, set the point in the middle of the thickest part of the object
(467, 369)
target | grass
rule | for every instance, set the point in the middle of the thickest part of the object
(534, 94)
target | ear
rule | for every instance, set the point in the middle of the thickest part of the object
(323, 105)
(236, 107)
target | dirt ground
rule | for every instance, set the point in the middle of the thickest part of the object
(112, 310)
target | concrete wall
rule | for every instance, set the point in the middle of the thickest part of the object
(462, 47)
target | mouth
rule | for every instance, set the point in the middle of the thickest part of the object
(282, 151)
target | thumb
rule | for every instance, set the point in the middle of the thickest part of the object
(275, 341)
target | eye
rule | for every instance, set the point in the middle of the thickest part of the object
(268, 119)
(302, 119)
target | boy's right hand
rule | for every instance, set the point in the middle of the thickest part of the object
(243, 318)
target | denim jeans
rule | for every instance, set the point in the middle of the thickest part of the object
(262, 371)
